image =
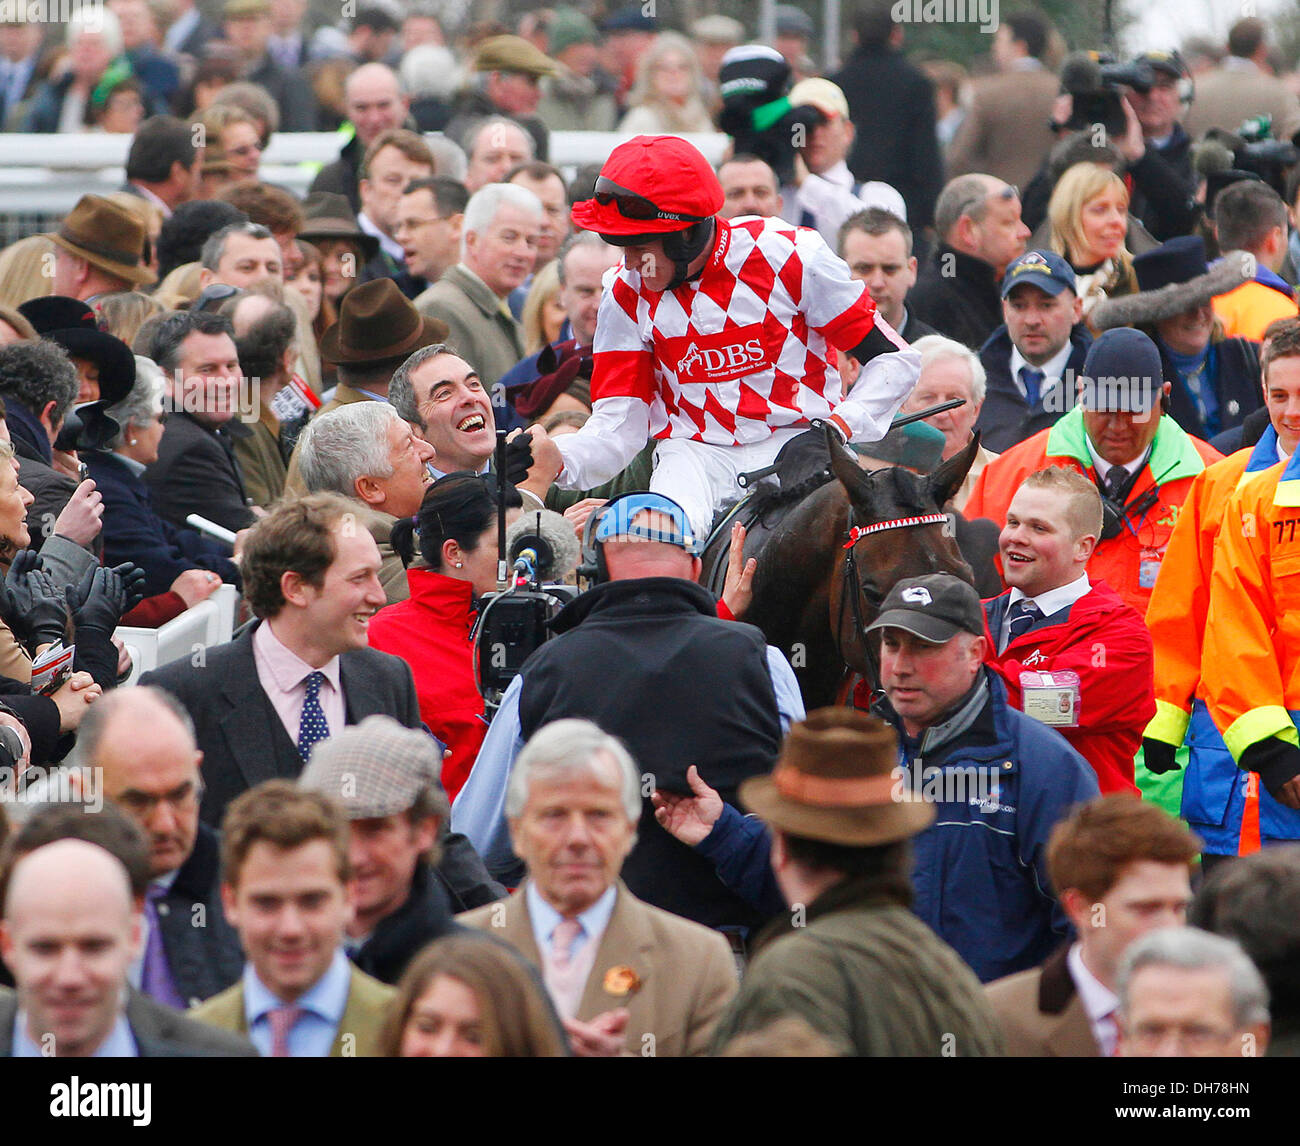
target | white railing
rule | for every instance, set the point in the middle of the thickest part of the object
(211, 622)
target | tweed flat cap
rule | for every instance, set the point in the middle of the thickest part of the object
(374, 769)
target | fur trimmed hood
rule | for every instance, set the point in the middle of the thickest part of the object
(1146, 307)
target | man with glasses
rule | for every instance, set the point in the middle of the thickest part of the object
(142, 742)
(429, 218)
(720, 338)
(977, 220)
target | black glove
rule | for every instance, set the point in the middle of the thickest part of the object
(98, 602)
(803, 456)
(519, 458)
(33, 607)
(1275, 760)
(1159, 757)
(133, 579)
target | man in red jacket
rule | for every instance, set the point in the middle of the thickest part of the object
(1071, 652)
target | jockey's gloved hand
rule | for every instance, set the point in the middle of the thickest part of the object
(519, 458)
(1159, 757)
(803, 456)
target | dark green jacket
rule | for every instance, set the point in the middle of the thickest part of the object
(863, 971)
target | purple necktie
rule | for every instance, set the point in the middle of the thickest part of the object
(155, 975)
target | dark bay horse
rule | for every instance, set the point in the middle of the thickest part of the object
(817, 585)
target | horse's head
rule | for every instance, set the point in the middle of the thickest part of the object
(877, 559)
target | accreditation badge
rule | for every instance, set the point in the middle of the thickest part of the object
(1051, 698)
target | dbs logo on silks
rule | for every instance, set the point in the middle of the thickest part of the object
(720, 357)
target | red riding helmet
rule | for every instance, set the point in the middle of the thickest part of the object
(651, 185)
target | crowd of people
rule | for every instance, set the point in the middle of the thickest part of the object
(1050, 821)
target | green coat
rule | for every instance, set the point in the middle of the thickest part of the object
(866, 973)
(481, 329)
(260, 462)
(358, 1032)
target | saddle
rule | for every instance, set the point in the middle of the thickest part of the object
(800, 468)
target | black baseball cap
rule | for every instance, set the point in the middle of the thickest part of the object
(934, 608)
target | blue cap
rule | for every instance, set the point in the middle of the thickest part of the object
(1044, 269)
(616, 522)
(1122, 373)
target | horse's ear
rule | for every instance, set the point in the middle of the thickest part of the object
(844, 463)
(946, 480)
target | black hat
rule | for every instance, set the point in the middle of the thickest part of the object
(1122, 372)
(935, 608)
(1175, 261)
(71, 324)
(1172, 278)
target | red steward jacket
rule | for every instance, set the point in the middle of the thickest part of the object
(430, 632)
(1106, 642)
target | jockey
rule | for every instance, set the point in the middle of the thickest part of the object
(719, 337)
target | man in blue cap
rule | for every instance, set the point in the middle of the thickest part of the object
(1031, 360)
(645, 655)
(1121, 438)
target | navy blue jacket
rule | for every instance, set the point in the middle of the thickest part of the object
(133, 531)
(1006, 419)
(1235, 377)
(980, 875)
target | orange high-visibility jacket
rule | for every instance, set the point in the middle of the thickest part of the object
(1181, 599)
(1130, 562)
(1250, 668)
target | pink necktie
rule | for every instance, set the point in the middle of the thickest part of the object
(562, 940)
(282, 1019)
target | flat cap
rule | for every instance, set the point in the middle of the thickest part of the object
(374, 769)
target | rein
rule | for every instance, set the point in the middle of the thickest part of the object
(852, 588)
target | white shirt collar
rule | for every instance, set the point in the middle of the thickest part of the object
(840, 175)
(546, 919)
(1053, 369)
(1103, 467)
(390, 245)
(1099, 1002)
(1054, 600)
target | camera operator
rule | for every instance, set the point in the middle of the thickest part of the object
(1159, 153)
(1138, 105)
(645, 655)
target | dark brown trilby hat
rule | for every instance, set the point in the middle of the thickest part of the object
(836, 781)
(377, 322)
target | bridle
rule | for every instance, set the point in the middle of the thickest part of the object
(854, 590)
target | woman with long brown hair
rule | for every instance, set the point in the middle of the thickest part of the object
(471, 996)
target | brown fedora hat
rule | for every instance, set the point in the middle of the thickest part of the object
(378, 322)
(106, 236)
(835, 781)
(329, 216)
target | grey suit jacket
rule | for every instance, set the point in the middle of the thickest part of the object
(242, 738)
(479, 330)
(160, 1032)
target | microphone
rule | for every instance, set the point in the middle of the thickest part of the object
(543, 543)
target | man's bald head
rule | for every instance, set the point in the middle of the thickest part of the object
(374, 101)
(144, 744)
(65, 872)
(630, 557)
(69, 934)
(249, 311)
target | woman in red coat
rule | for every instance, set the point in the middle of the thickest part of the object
(457, 533)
